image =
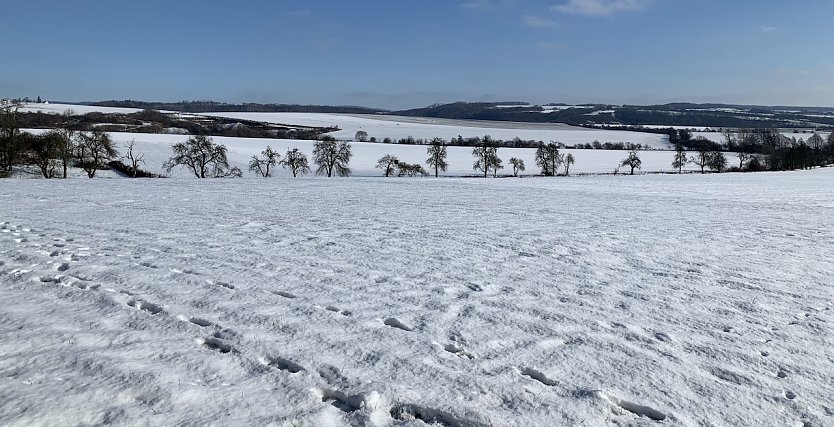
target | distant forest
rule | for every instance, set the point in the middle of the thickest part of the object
(218, 107)
(693, 115)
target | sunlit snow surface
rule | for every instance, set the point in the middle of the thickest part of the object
(691, 300)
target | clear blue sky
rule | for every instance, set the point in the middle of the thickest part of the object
(410, 53)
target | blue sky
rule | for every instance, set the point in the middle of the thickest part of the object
(410, 53)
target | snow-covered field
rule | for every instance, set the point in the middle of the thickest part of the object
(395, 127)
(610, 300)
(157, 149)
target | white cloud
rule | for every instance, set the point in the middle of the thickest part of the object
(600, 7)
(536, 22)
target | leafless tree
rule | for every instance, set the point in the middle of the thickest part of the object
(361, 136)
(437, 156)
(263, 165)
(518, 165)
(729, 138)
(407, 169)
(296, 161)
(703, 158)
(486, 155)
(680, 158)
(388, 163)
(11, 145)
(68, 147)
(815, 141)
(47, 150)
(548, 159)
(203, 157)
(632, 161)
(332, 157)
(94, 150)
(569, 160)
(135, 159)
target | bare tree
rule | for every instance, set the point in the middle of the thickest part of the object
(486, 155)
(548, 159)
(729, 138)
(569, 160)
(717, 161)
(680, 158)
(815, 141)
(94, 150)
(495, 163)
(407, 169)
(203, 157)
(68, 148)
(387, 163)
(135, 159)
(361, 136)
(296, 161)
(632, 161)
(437, 156)
(702, 159)
(47, 150)
(11, 145)
(332, 157)
(263, 165)
(518, 165)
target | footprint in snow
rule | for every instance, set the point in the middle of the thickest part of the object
(217, 345)
(281, 364)
(145, 306)
(284, 294)
(538, 376)
(336, 310)
(458, 351)
(220, 283)
(397, 323)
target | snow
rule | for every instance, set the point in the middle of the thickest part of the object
(608, 300)
(76, 109)
(396, 127)
(157, 149)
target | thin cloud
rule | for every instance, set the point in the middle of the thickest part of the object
(536, 22)
(766, 29)
(600, 7)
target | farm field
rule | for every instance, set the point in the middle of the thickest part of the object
(600, 300)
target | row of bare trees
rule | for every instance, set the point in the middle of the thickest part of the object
(55, 151)
(206, 159)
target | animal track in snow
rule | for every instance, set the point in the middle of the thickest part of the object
(148, 264)
(145, 306)
(458, 351)
(217, 345)
(397, 323)
(790, 395)
(538, 376)
(282, 364)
